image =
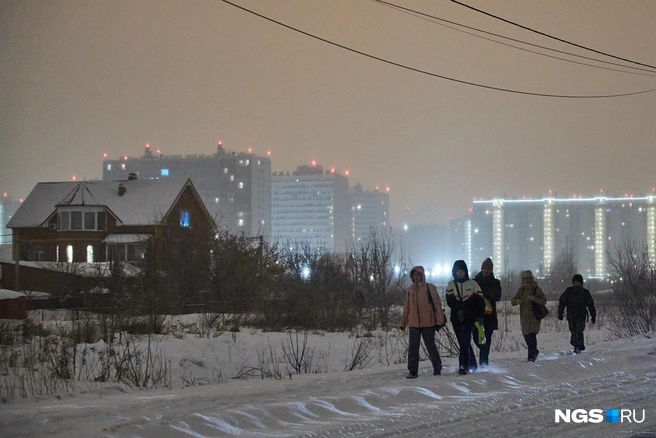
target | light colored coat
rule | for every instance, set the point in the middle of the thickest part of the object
(417, 310)
(523, 297)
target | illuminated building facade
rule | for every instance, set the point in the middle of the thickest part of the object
(368, 210)
(235, 187)
(532, 234)
(7, 209)
(311, 207)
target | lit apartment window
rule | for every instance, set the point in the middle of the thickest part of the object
(232, 177)
(89, 254)
(241, 185)
(225, 170)
(216, 200)
(69, 253)
(241, 222)
(122, 166)
(164, 172)
(109, 167)
(184, 218)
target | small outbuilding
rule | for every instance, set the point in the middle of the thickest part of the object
(13, 305)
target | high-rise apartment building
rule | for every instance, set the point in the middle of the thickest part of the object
(311, 207)
(369, 209)
(532, 234)
(235, 186)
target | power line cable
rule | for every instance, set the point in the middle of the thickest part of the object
(474, 84)
(551, 36)
(425, 16)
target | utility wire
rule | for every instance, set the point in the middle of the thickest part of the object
(551, 36)
(489, 87)
(425, 16)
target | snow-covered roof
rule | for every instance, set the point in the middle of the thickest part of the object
(126, 238)
(145, 202)
(100, 269)
(6, 294)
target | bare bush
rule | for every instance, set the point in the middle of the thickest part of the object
(633, 277)
(359, 354)
(297, 354)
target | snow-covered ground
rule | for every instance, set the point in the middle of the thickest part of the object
(510, 398)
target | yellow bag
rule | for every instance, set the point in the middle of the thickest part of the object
(488, 306)
(481, 333)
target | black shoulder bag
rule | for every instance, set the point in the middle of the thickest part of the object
(539, 310)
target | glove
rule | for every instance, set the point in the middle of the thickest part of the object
(561, 317)
(593, 320)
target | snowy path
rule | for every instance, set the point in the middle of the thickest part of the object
(513, 398)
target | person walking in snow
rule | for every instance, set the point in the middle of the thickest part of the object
(529, 292)
(491, 288)
(464, 297)
(578, 302)
(422, 314)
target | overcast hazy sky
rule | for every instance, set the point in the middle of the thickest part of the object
(83, 78)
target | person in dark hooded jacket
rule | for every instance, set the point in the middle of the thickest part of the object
(491, 288)
(578, 302)
(464, 297)
(422, 314)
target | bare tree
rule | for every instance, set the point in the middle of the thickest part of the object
(633, 276)
(373, 261)
(562, 270)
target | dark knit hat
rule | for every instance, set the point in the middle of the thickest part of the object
(460, 265)
(577, 277)
(487, 262)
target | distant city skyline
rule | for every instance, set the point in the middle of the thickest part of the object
(83, 79)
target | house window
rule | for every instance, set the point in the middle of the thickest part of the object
(89, 254)
(89, 220)
(57, 253)
(241, 222)
(65, 220)
(76, 220)
(38, 253)
(82, 220)
(109, 167)
(164, 172)
(241, 185)
(184, 218)
(122, 166)
(69, 253)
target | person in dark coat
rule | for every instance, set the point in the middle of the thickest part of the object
(491, 288)
(422, 314)
(529, 292)
(464, 297)
(578, 302)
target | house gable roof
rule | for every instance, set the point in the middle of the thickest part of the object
(145, 202)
